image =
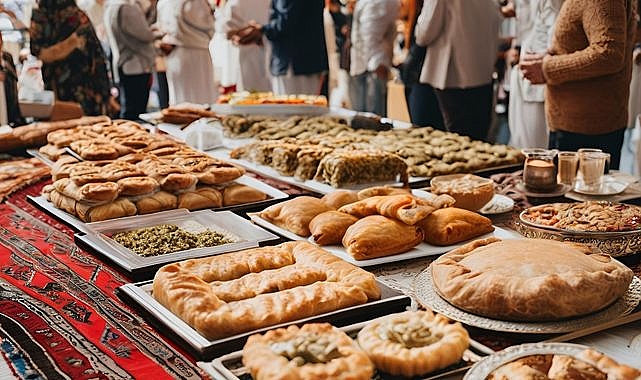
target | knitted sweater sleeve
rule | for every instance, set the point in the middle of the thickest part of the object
(604, 23)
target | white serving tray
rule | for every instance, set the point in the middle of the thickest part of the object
(81, 226)
(97, 238)
(139, 295)
(421, 250)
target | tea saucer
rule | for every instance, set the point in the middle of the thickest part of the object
(606, 188)
(558, 191)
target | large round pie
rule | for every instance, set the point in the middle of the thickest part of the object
(529, 279)
(314, 351)
(413, 343)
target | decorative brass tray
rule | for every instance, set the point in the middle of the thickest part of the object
(615, 244)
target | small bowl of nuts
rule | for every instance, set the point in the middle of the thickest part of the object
(470, 191)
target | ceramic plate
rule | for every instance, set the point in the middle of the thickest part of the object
(428, 297)
(606, 188)
(486, 366)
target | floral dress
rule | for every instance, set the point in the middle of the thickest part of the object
(82, 75)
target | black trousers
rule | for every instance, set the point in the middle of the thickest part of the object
(467, 111)
(134, 94)
(610, 143)
(423, 106)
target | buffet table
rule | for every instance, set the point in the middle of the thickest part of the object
(60, 313)
(77, 301)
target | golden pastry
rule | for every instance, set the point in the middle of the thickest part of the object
(413, 343)
(295, 214)
(338, 198)
(378, 236)
(275, 292)
(453, 225)
(329, 227)
(529, 279)
(314, 351)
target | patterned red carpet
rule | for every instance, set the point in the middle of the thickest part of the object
(59, 316)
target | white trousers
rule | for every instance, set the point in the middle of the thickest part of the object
(528, 128)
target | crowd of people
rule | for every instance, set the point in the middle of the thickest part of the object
(567, 65)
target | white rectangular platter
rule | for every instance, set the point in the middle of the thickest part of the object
(80, 226)
(421, 250)
(245, 234)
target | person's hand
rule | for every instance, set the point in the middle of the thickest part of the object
(382, 72)
(79, 40)
(166, 48)
(251, 34)
(512, 57)
(508, 10)
(532, 68)
(636, 57)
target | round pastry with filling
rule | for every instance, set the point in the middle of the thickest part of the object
(313, 351)
(529, 279)
(413, 343)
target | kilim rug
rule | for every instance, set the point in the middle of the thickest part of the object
(59, 316)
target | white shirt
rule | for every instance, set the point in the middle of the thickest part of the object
(462, 41)
(373, 34)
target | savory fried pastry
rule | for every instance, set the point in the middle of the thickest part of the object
(329, 227)
(133, 186)
(529, 279)
(453, 225)
(188, 288)
(378, 236)
(403, 207)
(314, 351)
(97, 192)
(236, 194)
(295, 214)
(383, 190)
(339, 198)
(95, 213)
(159, 201)
(202, 197)
(413, 343)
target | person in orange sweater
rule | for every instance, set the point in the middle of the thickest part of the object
(587, 74)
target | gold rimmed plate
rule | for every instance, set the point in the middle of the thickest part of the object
(427, 296)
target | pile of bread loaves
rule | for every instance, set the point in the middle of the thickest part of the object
(126, 171)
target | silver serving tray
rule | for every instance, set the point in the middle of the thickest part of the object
(427, 296)
(274, 194)
(97, 238)
(230, 366)
(615, 244)
(139, 296)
